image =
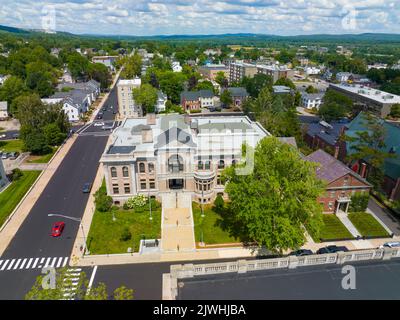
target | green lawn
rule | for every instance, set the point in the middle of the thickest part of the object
(45, 158)
(367, 225)
(104, 235)
(333, 229)
(210, 226)
(11, 145)
(11, 196)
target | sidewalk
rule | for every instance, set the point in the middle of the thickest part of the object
(22, 210)
(347, 223)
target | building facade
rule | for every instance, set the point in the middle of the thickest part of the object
(239, 70)
(167, 153)
(126, 102)
(311, 100)
(341, 182)
(195, 100)
(210, 71)
(276, 72)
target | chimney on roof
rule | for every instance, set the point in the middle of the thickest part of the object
(151, 119)
(147, 135)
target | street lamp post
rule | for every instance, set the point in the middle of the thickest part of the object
(202, 199)
(74, 219)
(151, 217)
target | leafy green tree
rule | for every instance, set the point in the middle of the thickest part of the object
(34, 141)
(97, 293)
(78, 65)
(126, 235)
(359, 202)
(53, 134)
(257, 83)
(219, 203)
(146, 97)
(226, 98)
(205, 85)
(285, 82)
(332, 112)
(221, 79)
(123, 293)
(172, 84)
(395, 111)
(102, 200)
(311, 89)
(270, 206)
(12, 88)
(369, 145)
(132, 67)
(100, 73)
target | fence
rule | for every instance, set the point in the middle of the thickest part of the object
(170, 281)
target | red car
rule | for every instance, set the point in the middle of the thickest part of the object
(57, 229)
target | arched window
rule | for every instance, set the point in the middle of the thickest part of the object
(142, 167)
(113, 172)
(151, 167)
(234, 162)
(125, 172)
(221, 164)
(175, 163)
(208, 165)
(200, 165)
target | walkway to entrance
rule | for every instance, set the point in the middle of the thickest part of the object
(177, 227)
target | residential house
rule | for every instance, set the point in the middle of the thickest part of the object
(195, 100)
(3, 110)
(312, 100)
(391, 183)
(161, 101)
(3, 177)
(238, 94)
(377, 66)
(66, 77)
(126, 101)
(108, 61)
(176, 66)
(343, 76)
(376, 101)
(341, 182)
(164, 153)
(326, 136)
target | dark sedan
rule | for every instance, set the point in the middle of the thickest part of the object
(87, 187)
(301, 252)
(332, 249)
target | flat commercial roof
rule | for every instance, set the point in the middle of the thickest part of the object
(370, 93)
(374, 280)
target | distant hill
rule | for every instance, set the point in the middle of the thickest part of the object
(13, 30)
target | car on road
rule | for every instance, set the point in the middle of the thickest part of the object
(394, 244)
(2, 136)
(87, 187)
(109, 127)
(115, 112)
(301, 252)
(57, 229)
(104, 109)
(332, 249)
(100, 116)
(98, 124)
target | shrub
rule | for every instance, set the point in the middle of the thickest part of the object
(136, 202)
(359, 202)
(102, 200)
(126, 235)
(16, 174)
(219, 203)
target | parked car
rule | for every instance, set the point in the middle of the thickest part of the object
(2, 136)
(99, 116)
(301, 252)
(5, 155)
(109, 127)
(16, 135)
(57, 229)
(394, 244)
(14, 155)
(104, 109)
(332, 249)
(115, 112)
(87, 187)
(98, 124)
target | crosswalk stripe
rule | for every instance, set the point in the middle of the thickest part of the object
(17, 264)
(47, 262)
(59, 262)
(23, 263)
(65, 262)
(4, 265)
(35, 263)
(11, 264)
(53, 262)
(29, 263)
(1, 261)
(41, 262)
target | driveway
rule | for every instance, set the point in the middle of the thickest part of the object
(392, 222)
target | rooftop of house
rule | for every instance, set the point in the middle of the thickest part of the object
(392, 143)
(329, 133)
(330, 169)
(312, 96)
(130, 82)
(373, 94)
(195, 95)
(237, 91)
(281, 89)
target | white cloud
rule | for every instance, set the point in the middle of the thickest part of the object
(144, 17)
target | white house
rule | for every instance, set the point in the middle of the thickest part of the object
(3, 110)
(343, 76)
(312, 100)
(176, 66)
(161, 101)
(312, 71)
(3, 78)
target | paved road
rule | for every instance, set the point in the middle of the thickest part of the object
(374, 280)
(32, 247)
(392, 222)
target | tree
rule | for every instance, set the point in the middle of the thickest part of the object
(257, 83)
(146, 96)
(81, 291)
(359, 202)
(34, 141)
(395, 111)
(100, 73)
(123, 293)
(332, 112)
(133, 67)
(12, 88)
(369, 145)
(219, 203)
(272, 206)
(285, 82)
(226, 98)
(77, 64)
(205, 85)
(171, 83)
(53, 134)
(221, 79)
(311, 89)
(102, 200)
(192, 83)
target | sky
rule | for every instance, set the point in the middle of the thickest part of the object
(167, 17)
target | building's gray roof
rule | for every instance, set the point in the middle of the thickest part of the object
(173, 134)
(281, 89)
(121, 149)
(312, 96)
(238, 92)
(195, 95)
(138, 129)
(233, 126)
